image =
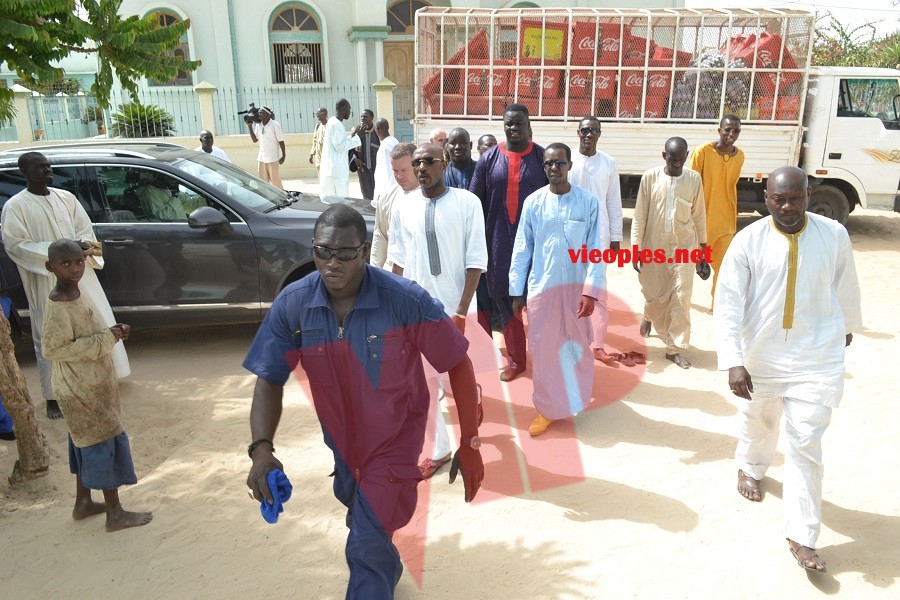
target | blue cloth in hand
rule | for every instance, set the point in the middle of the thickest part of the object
(281, 489)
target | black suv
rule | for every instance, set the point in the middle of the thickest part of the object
(224, 262)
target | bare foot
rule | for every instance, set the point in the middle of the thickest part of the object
(645, 328)
(679, 360)
(53, 411)
(807, 557)
(86, 509)
(601, 355)
(749, 487)
(123, 519)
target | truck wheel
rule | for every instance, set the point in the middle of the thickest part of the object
(829, 202)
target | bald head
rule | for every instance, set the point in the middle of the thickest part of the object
(787, 178)
(675, 155)
(429, 150)
(676, 144)
(64, 249)
(382, 128)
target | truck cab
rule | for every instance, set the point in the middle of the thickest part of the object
(851, 145)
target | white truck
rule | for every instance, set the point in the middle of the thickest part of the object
(649, 74)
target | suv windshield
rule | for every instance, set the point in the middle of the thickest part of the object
(240, 185)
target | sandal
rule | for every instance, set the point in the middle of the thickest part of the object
(429, 466)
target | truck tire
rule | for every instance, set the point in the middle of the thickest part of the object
(829, 202)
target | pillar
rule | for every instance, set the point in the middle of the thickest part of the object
(384, 99)
(205, 91)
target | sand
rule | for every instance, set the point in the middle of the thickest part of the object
(636, 498)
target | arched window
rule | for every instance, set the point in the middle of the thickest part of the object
(296, 37)
(182, 50)
(401, 15)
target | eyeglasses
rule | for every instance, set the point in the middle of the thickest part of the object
(428, 160)
(343, 254)
(559, 164)
(587, 130)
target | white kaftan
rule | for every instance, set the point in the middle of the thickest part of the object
(551, 225)
(30, 223)
(669, 214)
(384, 170)
(783, 306)
(334, 170)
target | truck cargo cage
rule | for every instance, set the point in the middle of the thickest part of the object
(641, 65)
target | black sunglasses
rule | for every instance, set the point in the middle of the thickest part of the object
(428, 160)
(343, 254)
(559, 164)
(587, 130)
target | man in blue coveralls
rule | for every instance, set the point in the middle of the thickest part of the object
(359, 333)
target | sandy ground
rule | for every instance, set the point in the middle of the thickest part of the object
(636, 498)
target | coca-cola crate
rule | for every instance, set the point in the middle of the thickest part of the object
(639, 47)
(533, 83)
(477, 48)
(658, 80)
(547, 40)
(763, 53)
(787, 108)
(655, 107)
(486, 81)
(665, 56)
(613, 37)
(604, 84)
(442, 81)
(458, 104)
(579, 108)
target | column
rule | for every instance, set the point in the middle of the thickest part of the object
(205, 91)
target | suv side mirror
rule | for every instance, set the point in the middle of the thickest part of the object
(206, 217)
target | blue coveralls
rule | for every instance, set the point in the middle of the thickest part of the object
(371, 397)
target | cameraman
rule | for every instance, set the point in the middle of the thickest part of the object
(270, 138)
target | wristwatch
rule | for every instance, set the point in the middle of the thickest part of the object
(473, 442)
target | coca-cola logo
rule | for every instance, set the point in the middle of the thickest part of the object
(546, 82)
(765, 56)
(579, 80)
(634, 80)
(610, 44)
(603, 82)
(586, 43)
(658, 80)
(477, 78)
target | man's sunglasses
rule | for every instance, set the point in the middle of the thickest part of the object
(559, 164)
(428, 160)
(343, 254)
(587, 130)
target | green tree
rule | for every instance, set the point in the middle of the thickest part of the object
(37, 33)
(836, 45)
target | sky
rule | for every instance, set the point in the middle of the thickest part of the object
(851, 13)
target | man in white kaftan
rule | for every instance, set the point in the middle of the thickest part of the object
(438, 241)
(597, 172)
(669, 215)
(32, 220)
(334, 170)
(561, 292)
(787, 302)
(384, 172)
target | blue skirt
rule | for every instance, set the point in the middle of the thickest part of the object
(103, 466)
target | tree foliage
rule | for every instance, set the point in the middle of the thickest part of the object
(141, 121)
(860, 46)
(38, 33)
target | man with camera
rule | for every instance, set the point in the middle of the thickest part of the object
(267, 133)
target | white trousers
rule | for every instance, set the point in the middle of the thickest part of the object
(804, 425)
(600, 321)
(441, 437)
(333, 186)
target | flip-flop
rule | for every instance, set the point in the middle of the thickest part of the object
(638, 358)
(800, 561)
(626, 360)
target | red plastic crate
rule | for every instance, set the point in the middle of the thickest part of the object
(604, 82)
(665, 55)
(477, 48)
(612, 36)
(630, 107)
(543, 39)
(532, 83)
(638, 47)
(484, 81)
(455, 104)
(787, 108)
(440, 83)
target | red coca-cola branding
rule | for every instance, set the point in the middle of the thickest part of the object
(634, 80)
(578, 80)
(611, 44)
(477, 78)
(586, 43)
(546, 81)
(658, 80)
(604, 82)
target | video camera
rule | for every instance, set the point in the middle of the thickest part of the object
(251, 115)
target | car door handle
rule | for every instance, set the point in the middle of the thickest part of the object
(834, 155)
(119, 242)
